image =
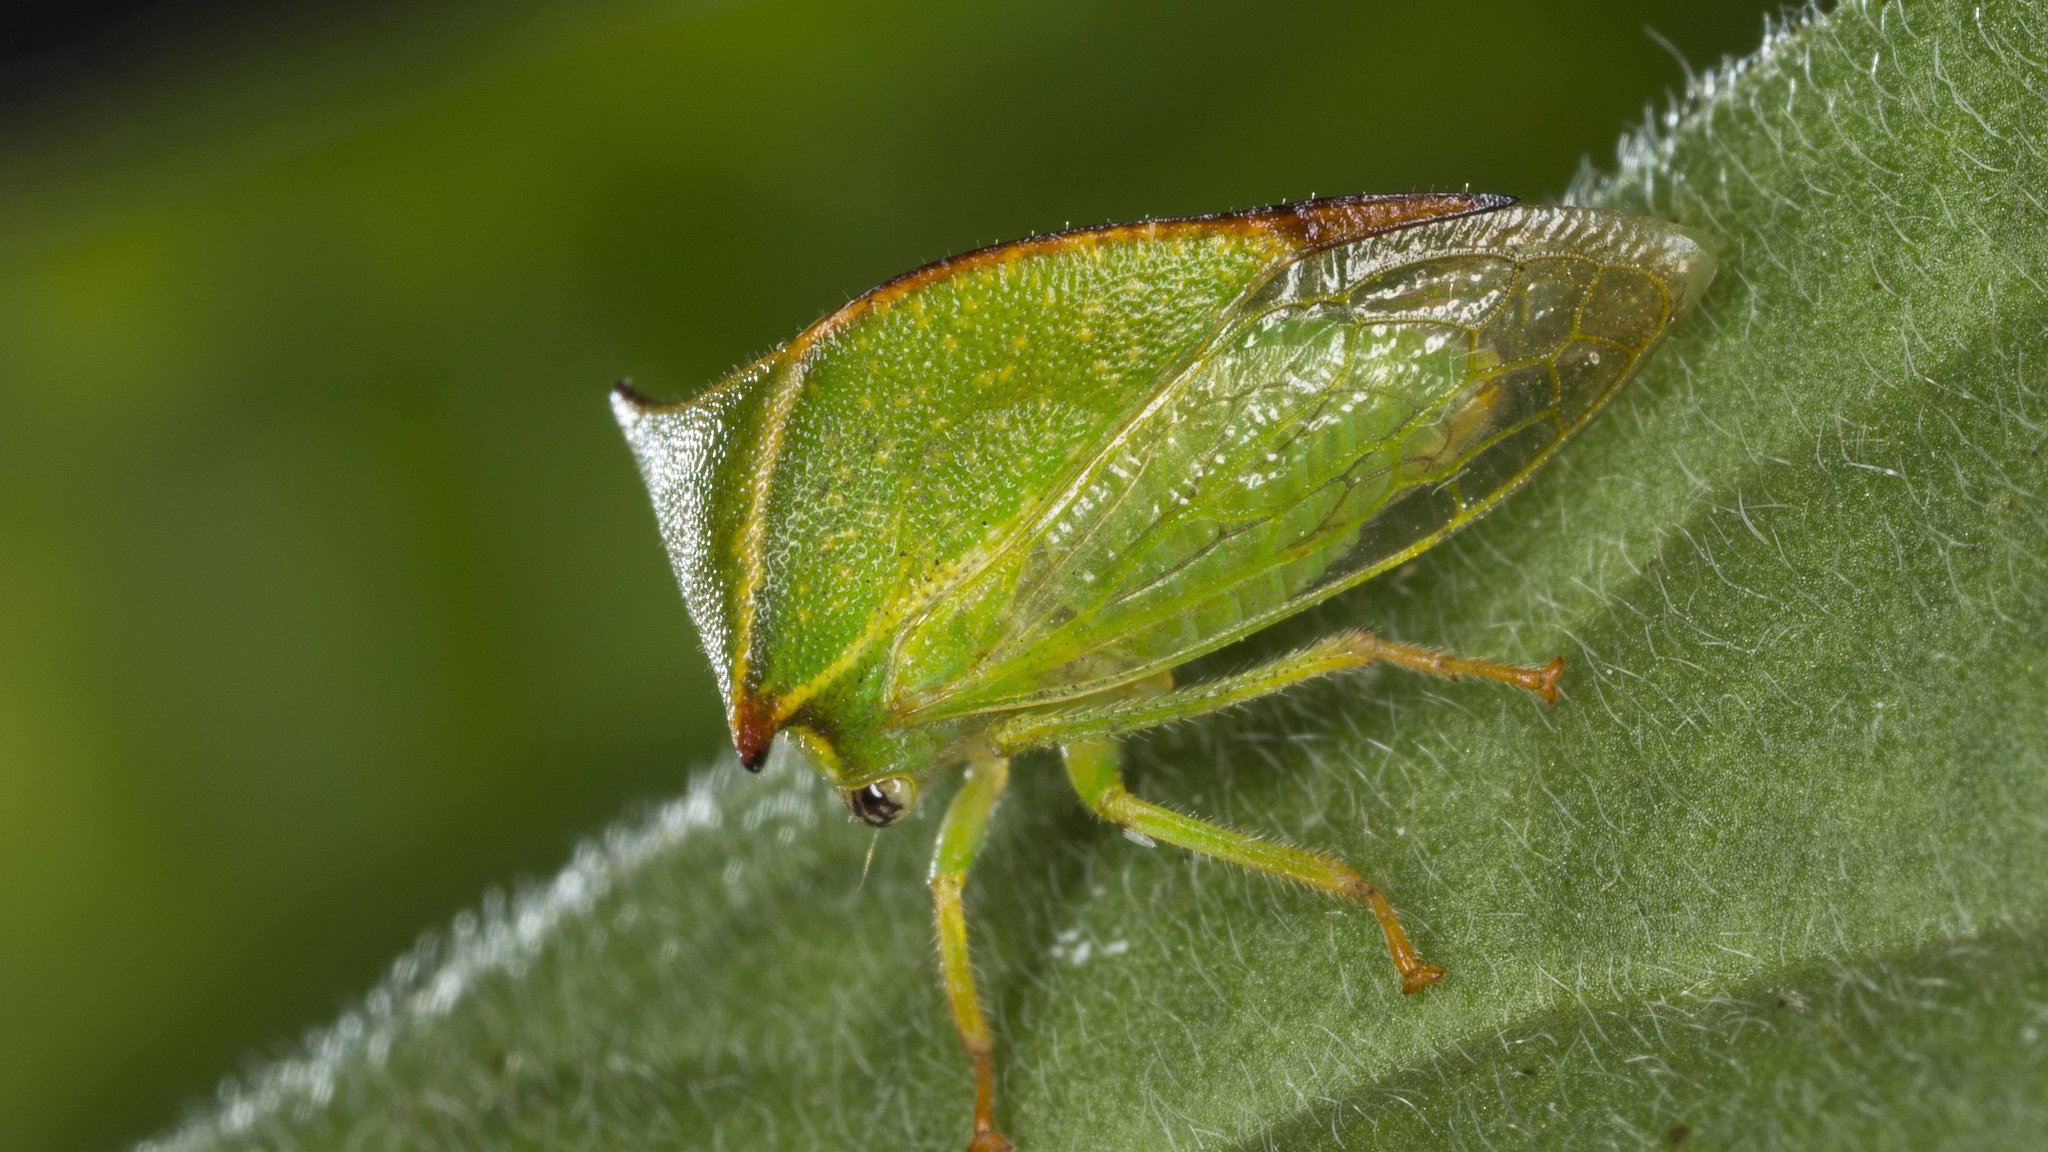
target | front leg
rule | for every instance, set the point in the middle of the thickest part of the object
(959, 838)
(1093, 766)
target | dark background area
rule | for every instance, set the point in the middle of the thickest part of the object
(37, 31)
(328, 596)
(49, 49)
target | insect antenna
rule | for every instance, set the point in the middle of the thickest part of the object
(873, 838)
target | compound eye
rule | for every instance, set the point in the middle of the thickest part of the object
(884, 802)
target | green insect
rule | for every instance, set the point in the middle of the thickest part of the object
(992, 504)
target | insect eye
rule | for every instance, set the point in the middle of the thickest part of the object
(884, 802)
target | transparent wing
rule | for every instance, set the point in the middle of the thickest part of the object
(1366, 401)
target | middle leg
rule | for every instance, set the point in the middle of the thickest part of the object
(1094, 768)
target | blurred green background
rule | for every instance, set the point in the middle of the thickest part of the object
(328, 596)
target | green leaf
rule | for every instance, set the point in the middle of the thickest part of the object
(1773, 874)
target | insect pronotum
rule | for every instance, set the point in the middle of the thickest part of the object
(992, 504)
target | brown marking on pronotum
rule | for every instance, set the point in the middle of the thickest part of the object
(1314, 224)
(753, 728)
(1303, 226)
